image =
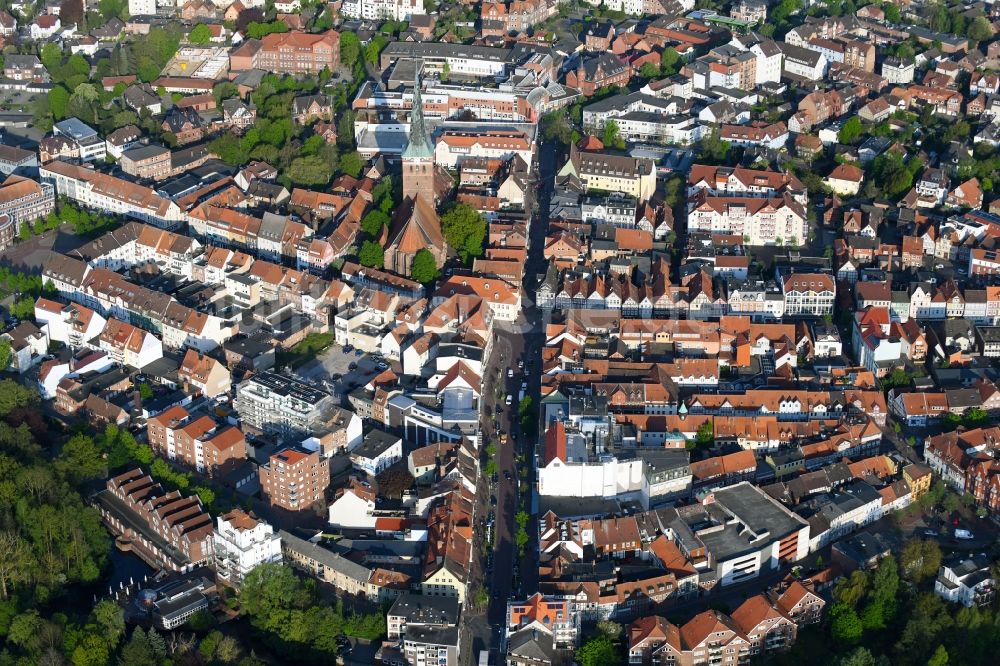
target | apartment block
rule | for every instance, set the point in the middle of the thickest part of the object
(294, 479)
(24, 200)
(196, 440)
(242, 542)
(272, 403)
(165, 529)
(147, 162)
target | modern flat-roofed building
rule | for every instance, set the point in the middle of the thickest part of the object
(280, 405)
(86, 138)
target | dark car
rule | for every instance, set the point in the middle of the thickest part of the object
(352, 366)
(506, 475)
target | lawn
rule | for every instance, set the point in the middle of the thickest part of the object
(310, 347)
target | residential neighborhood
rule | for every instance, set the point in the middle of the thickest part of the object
(540, 332)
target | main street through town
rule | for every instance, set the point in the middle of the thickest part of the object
(517, 348)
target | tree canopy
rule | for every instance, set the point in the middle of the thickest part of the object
(200, 34)
(598, 651)
(465, 230)
(371, 254)
(424, 269)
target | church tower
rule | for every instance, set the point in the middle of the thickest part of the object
(418, 156)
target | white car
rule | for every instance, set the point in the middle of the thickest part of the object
(510, 373)
(509, 399)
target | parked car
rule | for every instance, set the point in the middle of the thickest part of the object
(510, 373)
(964, 535)
(348, 349)
(509, 399)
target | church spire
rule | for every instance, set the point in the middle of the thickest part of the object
(419, 145)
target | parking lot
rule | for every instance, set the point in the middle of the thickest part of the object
(333, 368)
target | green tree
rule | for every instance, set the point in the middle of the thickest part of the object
(891, 12)
(373, 222)
(974, 417)
(465, 230)
(260, 30)
(371, 254)
(5, 353)
(705, 436)
(23, 308)
(845, 625)
(649, 71)
(670, 61)
(271, 586)
(91, 650)
(713, 148)
(898, 378)
(76, 66)
(24, 628)
(111, 619)
(324, 21)
(345, 130)
(859, 656)
(979, 30)
(81, 460)
(223, 91)
(950, 421)
(51, 57)
(200, 35)
(310, 170)
(920, 559)
(58, 102)
(113, 8)
(556, 128)
(424, 269)
(137, 651)
(851, 131)
(612, 630)
(527, 415)
(598, 651)
(612, 138)
(939, 658)
(350, 49)
(374, 48)
(351, 164)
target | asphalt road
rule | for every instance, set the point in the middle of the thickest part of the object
(518, 341)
